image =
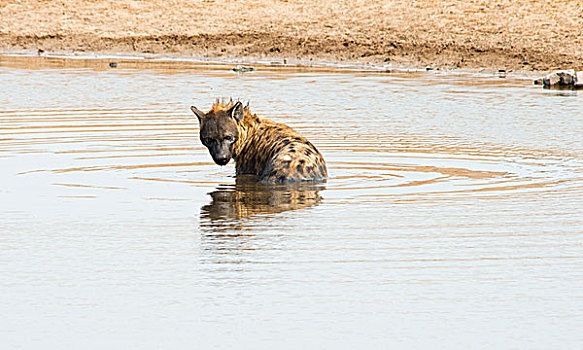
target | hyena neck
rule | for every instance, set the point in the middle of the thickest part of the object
(251, 151)
(247, 128)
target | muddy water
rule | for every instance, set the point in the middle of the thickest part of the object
(452, 216)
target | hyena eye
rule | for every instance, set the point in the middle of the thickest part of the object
(229, 138)
(207, 141)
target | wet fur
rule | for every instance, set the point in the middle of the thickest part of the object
(270, 150)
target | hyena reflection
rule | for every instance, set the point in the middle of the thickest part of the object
(235, 206)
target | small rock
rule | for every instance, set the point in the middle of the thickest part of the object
(551, 80)
(241, 69)
(560, 78)
(40, 51)
(113, 64)
(538, 81)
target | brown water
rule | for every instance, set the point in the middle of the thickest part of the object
(452, 217)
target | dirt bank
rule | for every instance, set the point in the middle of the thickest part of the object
(514, 35)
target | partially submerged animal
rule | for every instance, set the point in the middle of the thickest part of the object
(270, 150)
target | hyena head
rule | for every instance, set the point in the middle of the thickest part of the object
(218, 131)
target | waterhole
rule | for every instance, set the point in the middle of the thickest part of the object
(452, 214)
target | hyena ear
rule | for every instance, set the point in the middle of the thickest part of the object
(199, 114)
(237, 111)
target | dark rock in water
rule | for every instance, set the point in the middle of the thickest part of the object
(40, 51)
(566, 79)
(241, 69)
(113, 64)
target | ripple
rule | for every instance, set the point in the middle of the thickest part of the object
(373, 156)
(461, 176)
(367, 166)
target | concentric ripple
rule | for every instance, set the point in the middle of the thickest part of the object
(376, 151)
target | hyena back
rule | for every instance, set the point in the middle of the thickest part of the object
(270, 150)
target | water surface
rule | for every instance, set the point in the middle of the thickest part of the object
(452, 215)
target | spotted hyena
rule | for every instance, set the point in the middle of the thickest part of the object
(270, 150)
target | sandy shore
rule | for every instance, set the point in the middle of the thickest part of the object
(515, 35)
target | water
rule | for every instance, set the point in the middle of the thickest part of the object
(452, 217)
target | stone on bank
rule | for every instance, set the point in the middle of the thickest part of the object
(562, 79)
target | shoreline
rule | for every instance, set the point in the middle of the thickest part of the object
(488, 62)
(98, 60)
(516, 36)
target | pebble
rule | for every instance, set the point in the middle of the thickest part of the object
(241, 69)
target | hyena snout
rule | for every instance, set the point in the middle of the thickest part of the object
(221, 154)
(222, 161)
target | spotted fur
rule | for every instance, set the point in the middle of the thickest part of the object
(270, 150)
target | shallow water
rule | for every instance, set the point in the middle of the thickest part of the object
(452, 215)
